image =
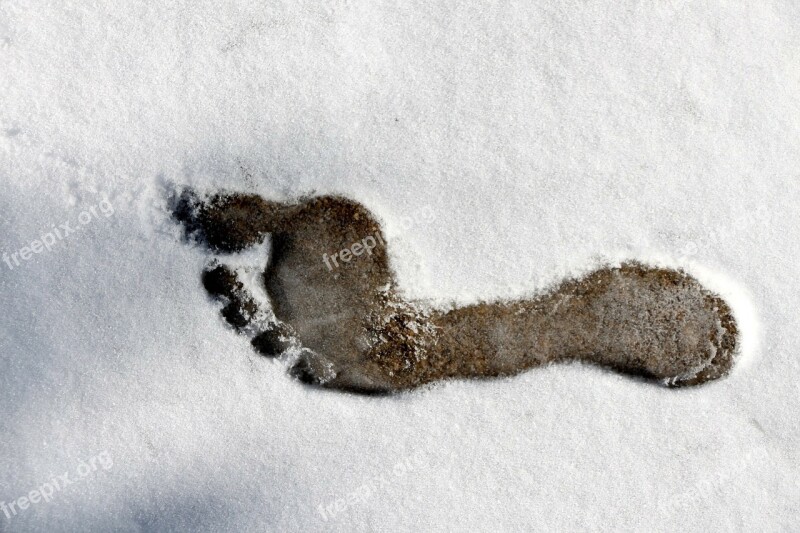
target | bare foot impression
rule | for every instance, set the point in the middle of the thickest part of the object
(334, 309)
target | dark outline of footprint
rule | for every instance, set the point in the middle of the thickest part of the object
(377, 343)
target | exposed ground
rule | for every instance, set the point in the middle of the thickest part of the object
(349, 329)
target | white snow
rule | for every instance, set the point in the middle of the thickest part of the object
(544, 137)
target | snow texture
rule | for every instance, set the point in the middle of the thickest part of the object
(544, 137)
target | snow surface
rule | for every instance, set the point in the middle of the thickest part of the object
(544, 137)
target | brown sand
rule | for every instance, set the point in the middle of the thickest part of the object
(343, 315)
